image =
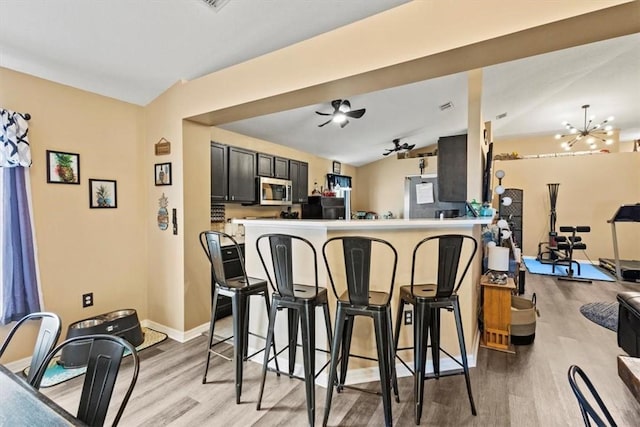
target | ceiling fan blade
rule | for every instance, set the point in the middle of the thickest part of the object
(355, 114)
(346, 122)
(410, 147)
(336, 104)
(327, 122)
(387, 153)
(324, 114)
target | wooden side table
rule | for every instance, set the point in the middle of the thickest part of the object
(496, 309)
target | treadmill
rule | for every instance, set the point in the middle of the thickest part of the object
(628, 270)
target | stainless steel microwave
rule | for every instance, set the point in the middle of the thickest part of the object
(274, 191)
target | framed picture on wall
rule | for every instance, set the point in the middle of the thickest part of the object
(63, 168)
(336, 167)
(163, 173)
(102, 194)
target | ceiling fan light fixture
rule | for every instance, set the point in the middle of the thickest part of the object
(339, 117)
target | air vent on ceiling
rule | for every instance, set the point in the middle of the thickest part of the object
(446, 106)
(216, 4)
(501, 116)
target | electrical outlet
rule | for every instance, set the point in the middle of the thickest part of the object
(87, 300)
(408, 317)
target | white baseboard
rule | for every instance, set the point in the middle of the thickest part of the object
(174, 334)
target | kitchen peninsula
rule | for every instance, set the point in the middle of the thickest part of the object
(403, 234)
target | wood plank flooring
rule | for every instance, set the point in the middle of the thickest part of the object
(529, 388)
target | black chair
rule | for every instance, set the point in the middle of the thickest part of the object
(359, 300)
(50, 327)
(103, 365)
(300, 301)
(428, 300)
(587, 410)
(239, 289)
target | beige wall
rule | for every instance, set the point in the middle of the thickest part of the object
(591, 188)
(547, 144)
(84, 250)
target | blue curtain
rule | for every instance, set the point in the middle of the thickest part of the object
(18, 278)
(19, 285)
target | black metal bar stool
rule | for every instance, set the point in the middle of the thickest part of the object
(299, 300)
(428, 300)
(359, 300)
(239, 289)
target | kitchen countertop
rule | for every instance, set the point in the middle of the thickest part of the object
(368, 224)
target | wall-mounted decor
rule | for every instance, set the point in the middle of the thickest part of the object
(102, 193)
(336, 167)
(63, 168)
(163, 173)
(162, 147)
(163, 213)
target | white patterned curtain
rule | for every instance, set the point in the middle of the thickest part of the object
(14, 143)
(19, 290)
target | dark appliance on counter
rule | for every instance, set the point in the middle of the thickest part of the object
(320, 207)
(334, 180)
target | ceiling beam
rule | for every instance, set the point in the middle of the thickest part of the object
(616, 21)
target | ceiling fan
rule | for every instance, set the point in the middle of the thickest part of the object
(398, 147)
(341, 113)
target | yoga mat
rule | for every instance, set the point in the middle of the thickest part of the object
(587, 270)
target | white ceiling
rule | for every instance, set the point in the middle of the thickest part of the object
(133, 50)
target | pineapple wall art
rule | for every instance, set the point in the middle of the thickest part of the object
(63, 168)
(102, 193)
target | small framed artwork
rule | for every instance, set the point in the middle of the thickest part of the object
(163, 173)
(63, 168)
(102, 193)
(336, 167)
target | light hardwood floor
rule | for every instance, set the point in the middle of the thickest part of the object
(529, 388)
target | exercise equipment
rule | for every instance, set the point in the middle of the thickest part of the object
(549, 256)
(563, 252)
(623, 269)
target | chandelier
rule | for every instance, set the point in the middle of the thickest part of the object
(590, 132)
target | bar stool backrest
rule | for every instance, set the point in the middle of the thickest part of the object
(357, 261)
(450, 247)
(50, 327)
(211, 242)
(103, 365)
(587, 410)
(281, 246)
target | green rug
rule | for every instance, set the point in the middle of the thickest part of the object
(56, 374)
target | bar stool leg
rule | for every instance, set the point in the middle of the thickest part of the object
(392, 355)
(463, 351)
(327, 322)
(382, 342)
(212, 324)
(272, 321)
(239, 306)
(273, 340)
(245, 331)
(346, 349)
(420, 332)
(293, 319)
(335, 354)
(308, 354)
(400, 312)
(434, 329)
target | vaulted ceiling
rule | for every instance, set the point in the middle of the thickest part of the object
(133, 50)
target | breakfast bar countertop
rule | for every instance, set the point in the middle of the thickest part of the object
(368, 224)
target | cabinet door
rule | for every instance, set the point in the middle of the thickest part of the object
(303, 182)
(219, 189)
(281, 167)
(265, 165)
(294, 172)
(242, 175)
(452, 168)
